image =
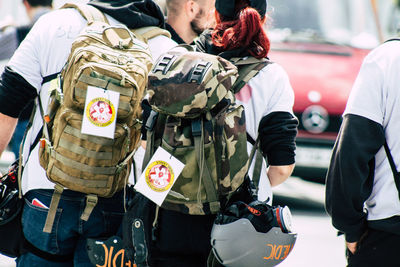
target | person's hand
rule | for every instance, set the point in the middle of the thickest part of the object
(352, 246)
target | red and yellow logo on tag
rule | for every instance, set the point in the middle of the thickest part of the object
(100, 112)
(159, 176)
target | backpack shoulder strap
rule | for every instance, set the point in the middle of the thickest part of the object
(257, 156)
(248, 68)
(393, 167)
(149, 32)
(90, 13)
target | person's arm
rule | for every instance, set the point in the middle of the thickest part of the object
(15, 94)
(7, 127)
(350, 175)
(277, 133)
(279, 174)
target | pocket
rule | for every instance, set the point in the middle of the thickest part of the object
(33, 221)
(187, 183)
(86, 163)
(102, 75)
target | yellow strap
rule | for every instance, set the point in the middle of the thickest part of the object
(55, 199)
(91, 201)
(151, 31)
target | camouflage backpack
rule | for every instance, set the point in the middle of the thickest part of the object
(116, 61)
(196, 119)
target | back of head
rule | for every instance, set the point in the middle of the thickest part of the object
(40, 3)
(173, 6)
(240, 26)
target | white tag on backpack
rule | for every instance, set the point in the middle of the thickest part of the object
(159, 176)
(100, 112)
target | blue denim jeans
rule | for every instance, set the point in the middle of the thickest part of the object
(69, 232)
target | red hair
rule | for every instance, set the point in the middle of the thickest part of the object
(245, 32)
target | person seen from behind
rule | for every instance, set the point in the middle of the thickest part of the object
(268, 98)
(362, 184)
(44, 52)
(183, 239)
(186, 20)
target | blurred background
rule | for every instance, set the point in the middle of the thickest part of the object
(321, 44)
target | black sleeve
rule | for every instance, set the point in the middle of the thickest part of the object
(15, 93)
(351, 172)
(277, 132)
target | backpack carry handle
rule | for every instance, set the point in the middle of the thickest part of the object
(119, 36)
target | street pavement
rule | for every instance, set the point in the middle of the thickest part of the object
(317, 243)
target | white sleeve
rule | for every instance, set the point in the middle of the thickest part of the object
(269, 91)
(281, 95)
(45, 49)
(26, 60)
(367, 95)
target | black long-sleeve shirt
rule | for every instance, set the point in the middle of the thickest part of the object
(351, 174)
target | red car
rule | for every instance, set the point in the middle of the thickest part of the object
(321, 45)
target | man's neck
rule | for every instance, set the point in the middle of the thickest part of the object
(183, 29)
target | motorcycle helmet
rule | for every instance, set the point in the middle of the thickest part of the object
(254, 234)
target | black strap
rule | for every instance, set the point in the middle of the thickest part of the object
(250, 139)
(139, 243)
(392, 39)
(393, 167)
(37, 139)
(50, 77)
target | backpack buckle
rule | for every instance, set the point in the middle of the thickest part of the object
(198, 72)
(164, 63)
(196, 127)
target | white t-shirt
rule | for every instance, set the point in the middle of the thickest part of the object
(44, 52)
(269, 91)
(376, 96)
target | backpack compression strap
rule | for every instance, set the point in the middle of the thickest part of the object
(150, 32)
(205, 175)
(248, 68)
(257, 156)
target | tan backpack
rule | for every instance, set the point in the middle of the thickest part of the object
(113, 59)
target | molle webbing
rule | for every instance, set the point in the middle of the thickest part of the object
(108, 57)
(102, 83)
